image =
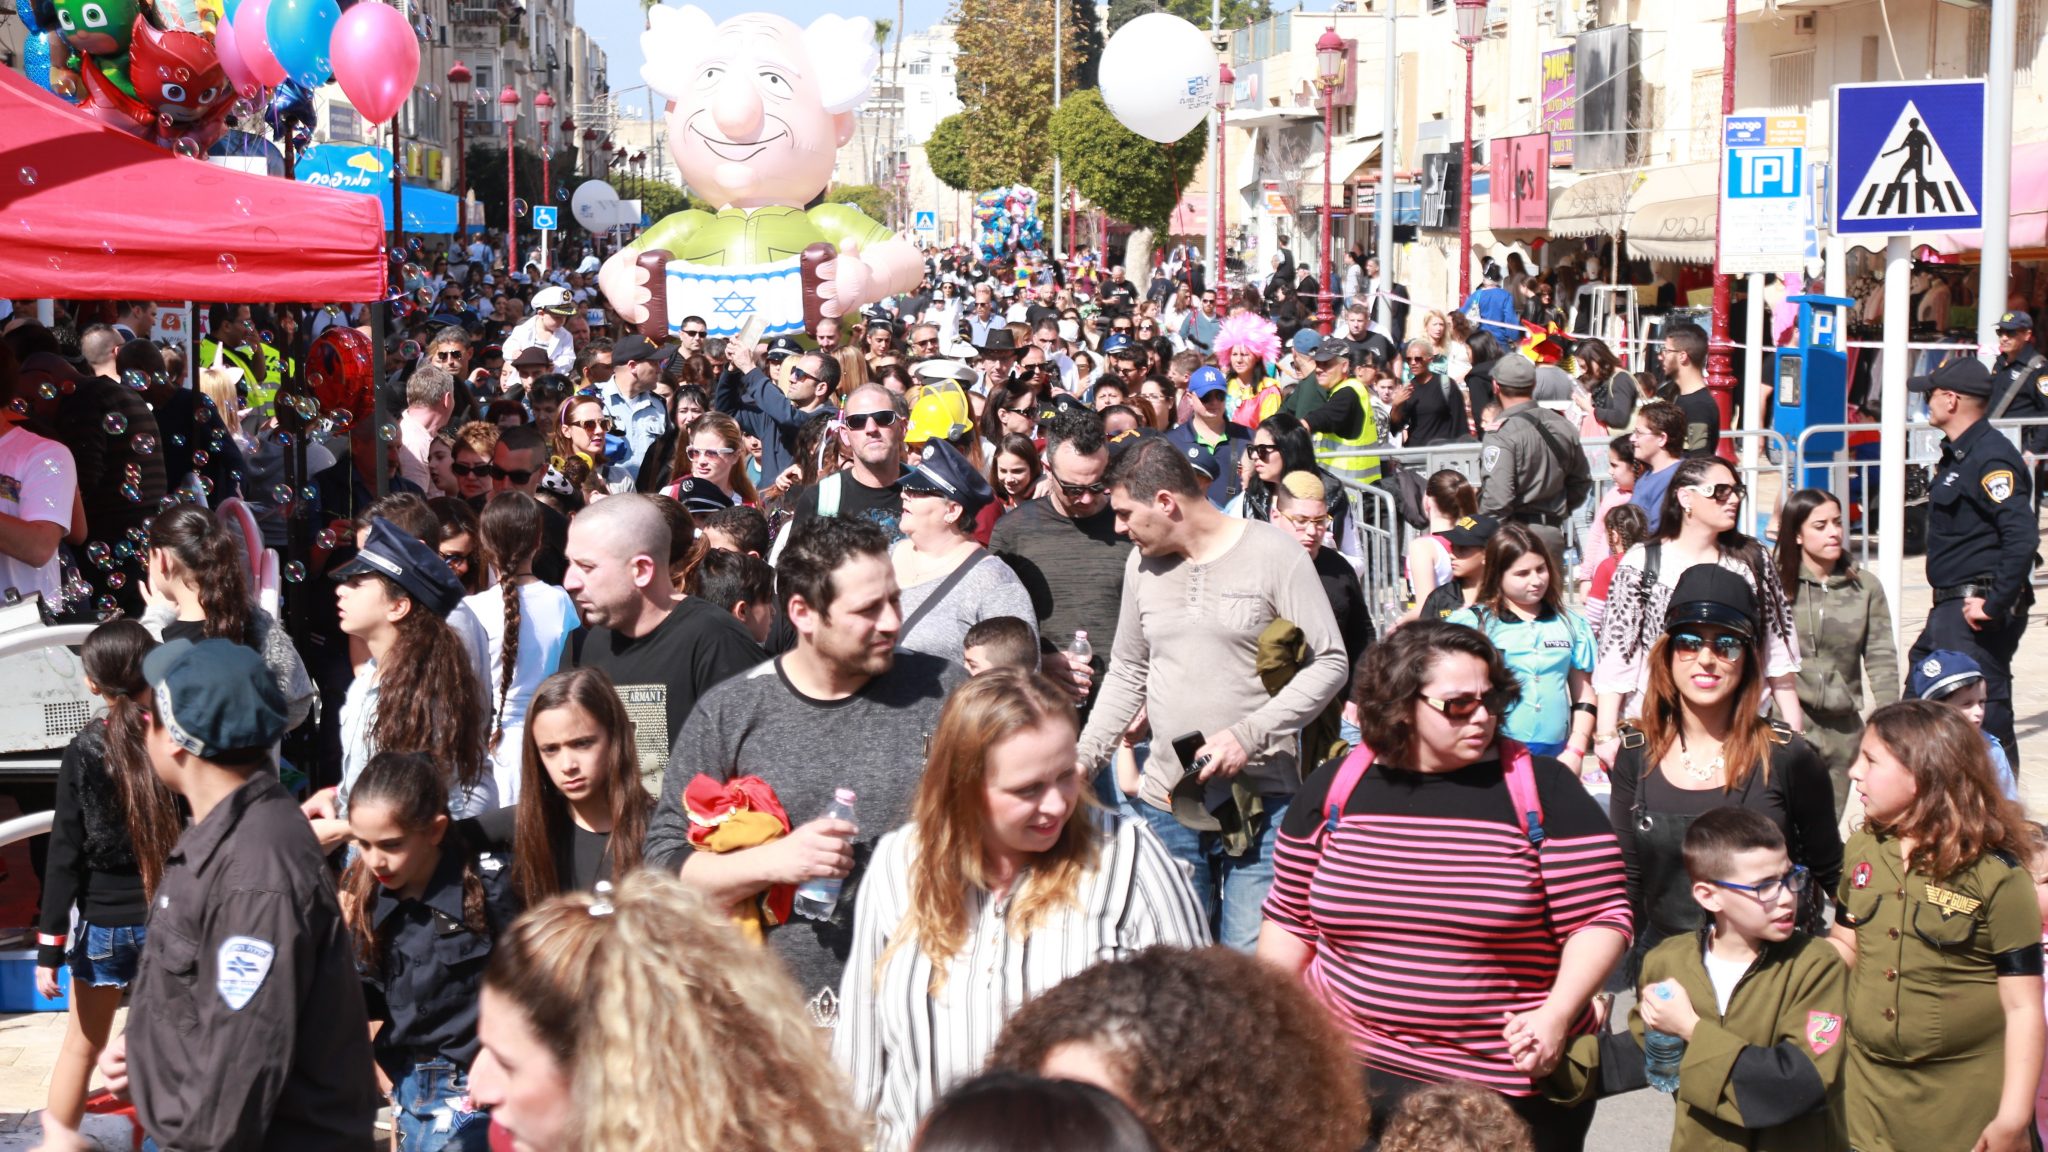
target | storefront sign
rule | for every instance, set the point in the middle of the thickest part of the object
(1441, 188)
(1763, 194)
(1277, 202)
(1560, 105)
(1522, 198)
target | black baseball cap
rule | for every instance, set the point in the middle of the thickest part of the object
(1964, 376)
(2015, 322)
(637, 347)
(1330, 348)
(406, 561)
(1471, 531)
(215, 697)
(701, 496)
(1711, 594)
(945, 472)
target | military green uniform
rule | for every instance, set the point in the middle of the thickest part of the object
(1926, 1030)
(1766, 1075)
(741, 236)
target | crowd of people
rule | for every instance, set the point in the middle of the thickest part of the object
(966, 724)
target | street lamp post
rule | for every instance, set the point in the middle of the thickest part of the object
(1720, 364)
(543, 113)
(1471, 26)
(459, 85)
(1224, 79)
(508, 111)
(1329, 69)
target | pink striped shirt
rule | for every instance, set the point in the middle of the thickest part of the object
(1431, 915)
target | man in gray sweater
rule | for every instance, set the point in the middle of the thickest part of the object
(1197, 594)
(843, 709)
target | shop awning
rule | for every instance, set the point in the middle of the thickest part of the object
(1346, 158)
(1592, 206)
(1270, 117)
(366, 170)
(1673, 214)
(2029, 215)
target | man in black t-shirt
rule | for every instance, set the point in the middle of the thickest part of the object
(1685, 358)
(662, 653)
(875, 422)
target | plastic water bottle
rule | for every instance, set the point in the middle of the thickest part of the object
(1080, 649)
(1662, 1052)
(818, 896)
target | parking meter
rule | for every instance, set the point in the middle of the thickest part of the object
(1812, 384)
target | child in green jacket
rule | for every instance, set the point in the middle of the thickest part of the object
(1758, 1005)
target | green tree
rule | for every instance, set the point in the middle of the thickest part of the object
(1005, 82)
(946, 151)
(1087, 42)
(1133, 179)
(873, 202)
(1236, 13)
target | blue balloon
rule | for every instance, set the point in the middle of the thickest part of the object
(36, 61)
(290, 104)
(228, 8)
(26, 9)
(300, 31)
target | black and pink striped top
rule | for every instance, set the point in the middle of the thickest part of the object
(1431, 915)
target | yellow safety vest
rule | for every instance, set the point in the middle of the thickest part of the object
(259, 389)
(1356, 468)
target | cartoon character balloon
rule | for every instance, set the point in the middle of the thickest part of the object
(757, 108)
(92, 35)
(177, 89)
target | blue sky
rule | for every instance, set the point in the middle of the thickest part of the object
(616, 24)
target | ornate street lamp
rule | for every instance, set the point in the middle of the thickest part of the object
(1224, 79)
(508, 111)
(1329, 72)
(1471, 28)
(459, 84)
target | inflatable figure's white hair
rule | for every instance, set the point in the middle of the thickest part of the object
(842, 52)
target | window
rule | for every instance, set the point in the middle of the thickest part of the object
(1792, 82)
(919, 67)
(2027, 43)
(1706, 114)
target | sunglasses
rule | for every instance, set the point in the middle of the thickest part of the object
(718, 453)
(1415, 359)
(695, 332)
(1726, 646)
(858, 421)
(592, 425)
(1718, 492)
(448, 354)
(456, 560)
(1461, 707)
(925, 342)
(1263, 451)
(483, 470)
(516, 475)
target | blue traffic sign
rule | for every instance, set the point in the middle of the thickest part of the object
(1909, 157)
(543, 218)
(927, 222)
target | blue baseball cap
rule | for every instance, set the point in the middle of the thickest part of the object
(215, 697)
(944, 472)
(1207, 381)
(1941, 672)
(1305, 341)
(406, 561)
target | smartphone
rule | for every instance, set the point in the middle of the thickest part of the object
(751, 332)
(1185, 747)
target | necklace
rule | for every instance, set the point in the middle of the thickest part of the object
(1700, 774)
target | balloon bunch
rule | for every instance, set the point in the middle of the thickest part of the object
(177, 77)
(1006, 220)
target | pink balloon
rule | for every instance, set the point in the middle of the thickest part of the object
(231, 62)
(252, 40)
(376, 57)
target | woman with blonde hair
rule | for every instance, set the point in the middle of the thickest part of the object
(594, 1001)
(713, 448)
(1007, 881)
(853, 369)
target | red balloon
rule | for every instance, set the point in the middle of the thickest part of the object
(342, 368)
(376, 57)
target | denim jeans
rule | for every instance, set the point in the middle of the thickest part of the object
(106, 957)
(1232, 888)
(429, 1107)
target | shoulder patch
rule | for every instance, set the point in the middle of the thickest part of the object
(1488, 457)
(241, 965)
(1822, 1030)
(1998, 485)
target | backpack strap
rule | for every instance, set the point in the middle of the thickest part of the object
(1349, 773)
(1520, 771)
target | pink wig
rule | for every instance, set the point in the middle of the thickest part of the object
(1247, 330)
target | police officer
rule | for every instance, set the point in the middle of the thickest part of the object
(1981, 538)
(232, 335)
(2019, 386)
(247, 1029)
(1535, 473)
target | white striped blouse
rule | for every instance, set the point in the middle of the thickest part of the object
(902, 1048)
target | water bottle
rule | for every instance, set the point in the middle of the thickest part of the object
(818, 896)
(1571, 564)
(1662, 1052)
(1080, 649)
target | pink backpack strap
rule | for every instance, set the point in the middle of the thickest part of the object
(1521, 781)
(1349, 773)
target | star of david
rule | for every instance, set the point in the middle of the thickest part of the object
(733, 304)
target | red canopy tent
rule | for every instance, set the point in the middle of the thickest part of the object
(89, 212)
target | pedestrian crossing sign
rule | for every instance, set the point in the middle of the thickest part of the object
(1909, 157)
(927, 221)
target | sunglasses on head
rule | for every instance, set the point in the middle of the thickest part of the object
(1727, 646)
(858, 421)
(1461, 707)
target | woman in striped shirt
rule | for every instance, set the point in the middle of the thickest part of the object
(1005, 883)
(1459, 884)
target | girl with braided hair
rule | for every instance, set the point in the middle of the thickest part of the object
(424, 901)
(526, 623)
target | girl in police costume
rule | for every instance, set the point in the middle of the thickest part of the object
(1937, 918)
(424, 902)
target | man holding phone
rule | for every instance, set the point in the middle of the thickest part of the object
(1198, 600)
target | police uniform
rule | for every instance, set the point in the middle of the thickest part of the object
(247, 1028)
(1981, 539)
(2019, 391)
(1926, 1029)
(1530, 462)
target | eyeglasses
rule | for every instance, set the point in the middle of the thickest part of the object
(699, 332)
(1462, 707)
(1727, 646)
(456, 560)
(1768, 891)
(1263, 451)
(718, 453)
(593, 425)
(1318, 523)
(858, 421)
(1718, 492)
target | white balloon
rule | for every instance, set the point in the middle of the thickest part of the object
(1158, 76)
(596, 206)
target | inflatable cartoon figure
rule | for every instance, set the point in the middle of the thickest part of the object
(178, 88)
(756, 109)
(95, 35)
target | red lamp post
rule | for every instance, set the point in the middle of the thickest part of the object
(1224, 79)
(1720, 355)
(459, 83)
(1471, 26)
(1329, 71)
(508, 111)
(543, 114)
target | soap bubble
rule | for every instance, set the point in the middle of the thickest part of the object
(409, 350)
(117, 580)
(188, 148)
(115, 423)
(295, 572)
(27, 176)
(106, 608)
(98, 554)
(227, 262)
(46, 390)
(519, 207)
(327, 539)
(387, 432)
(145, 444)
(281, 494)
